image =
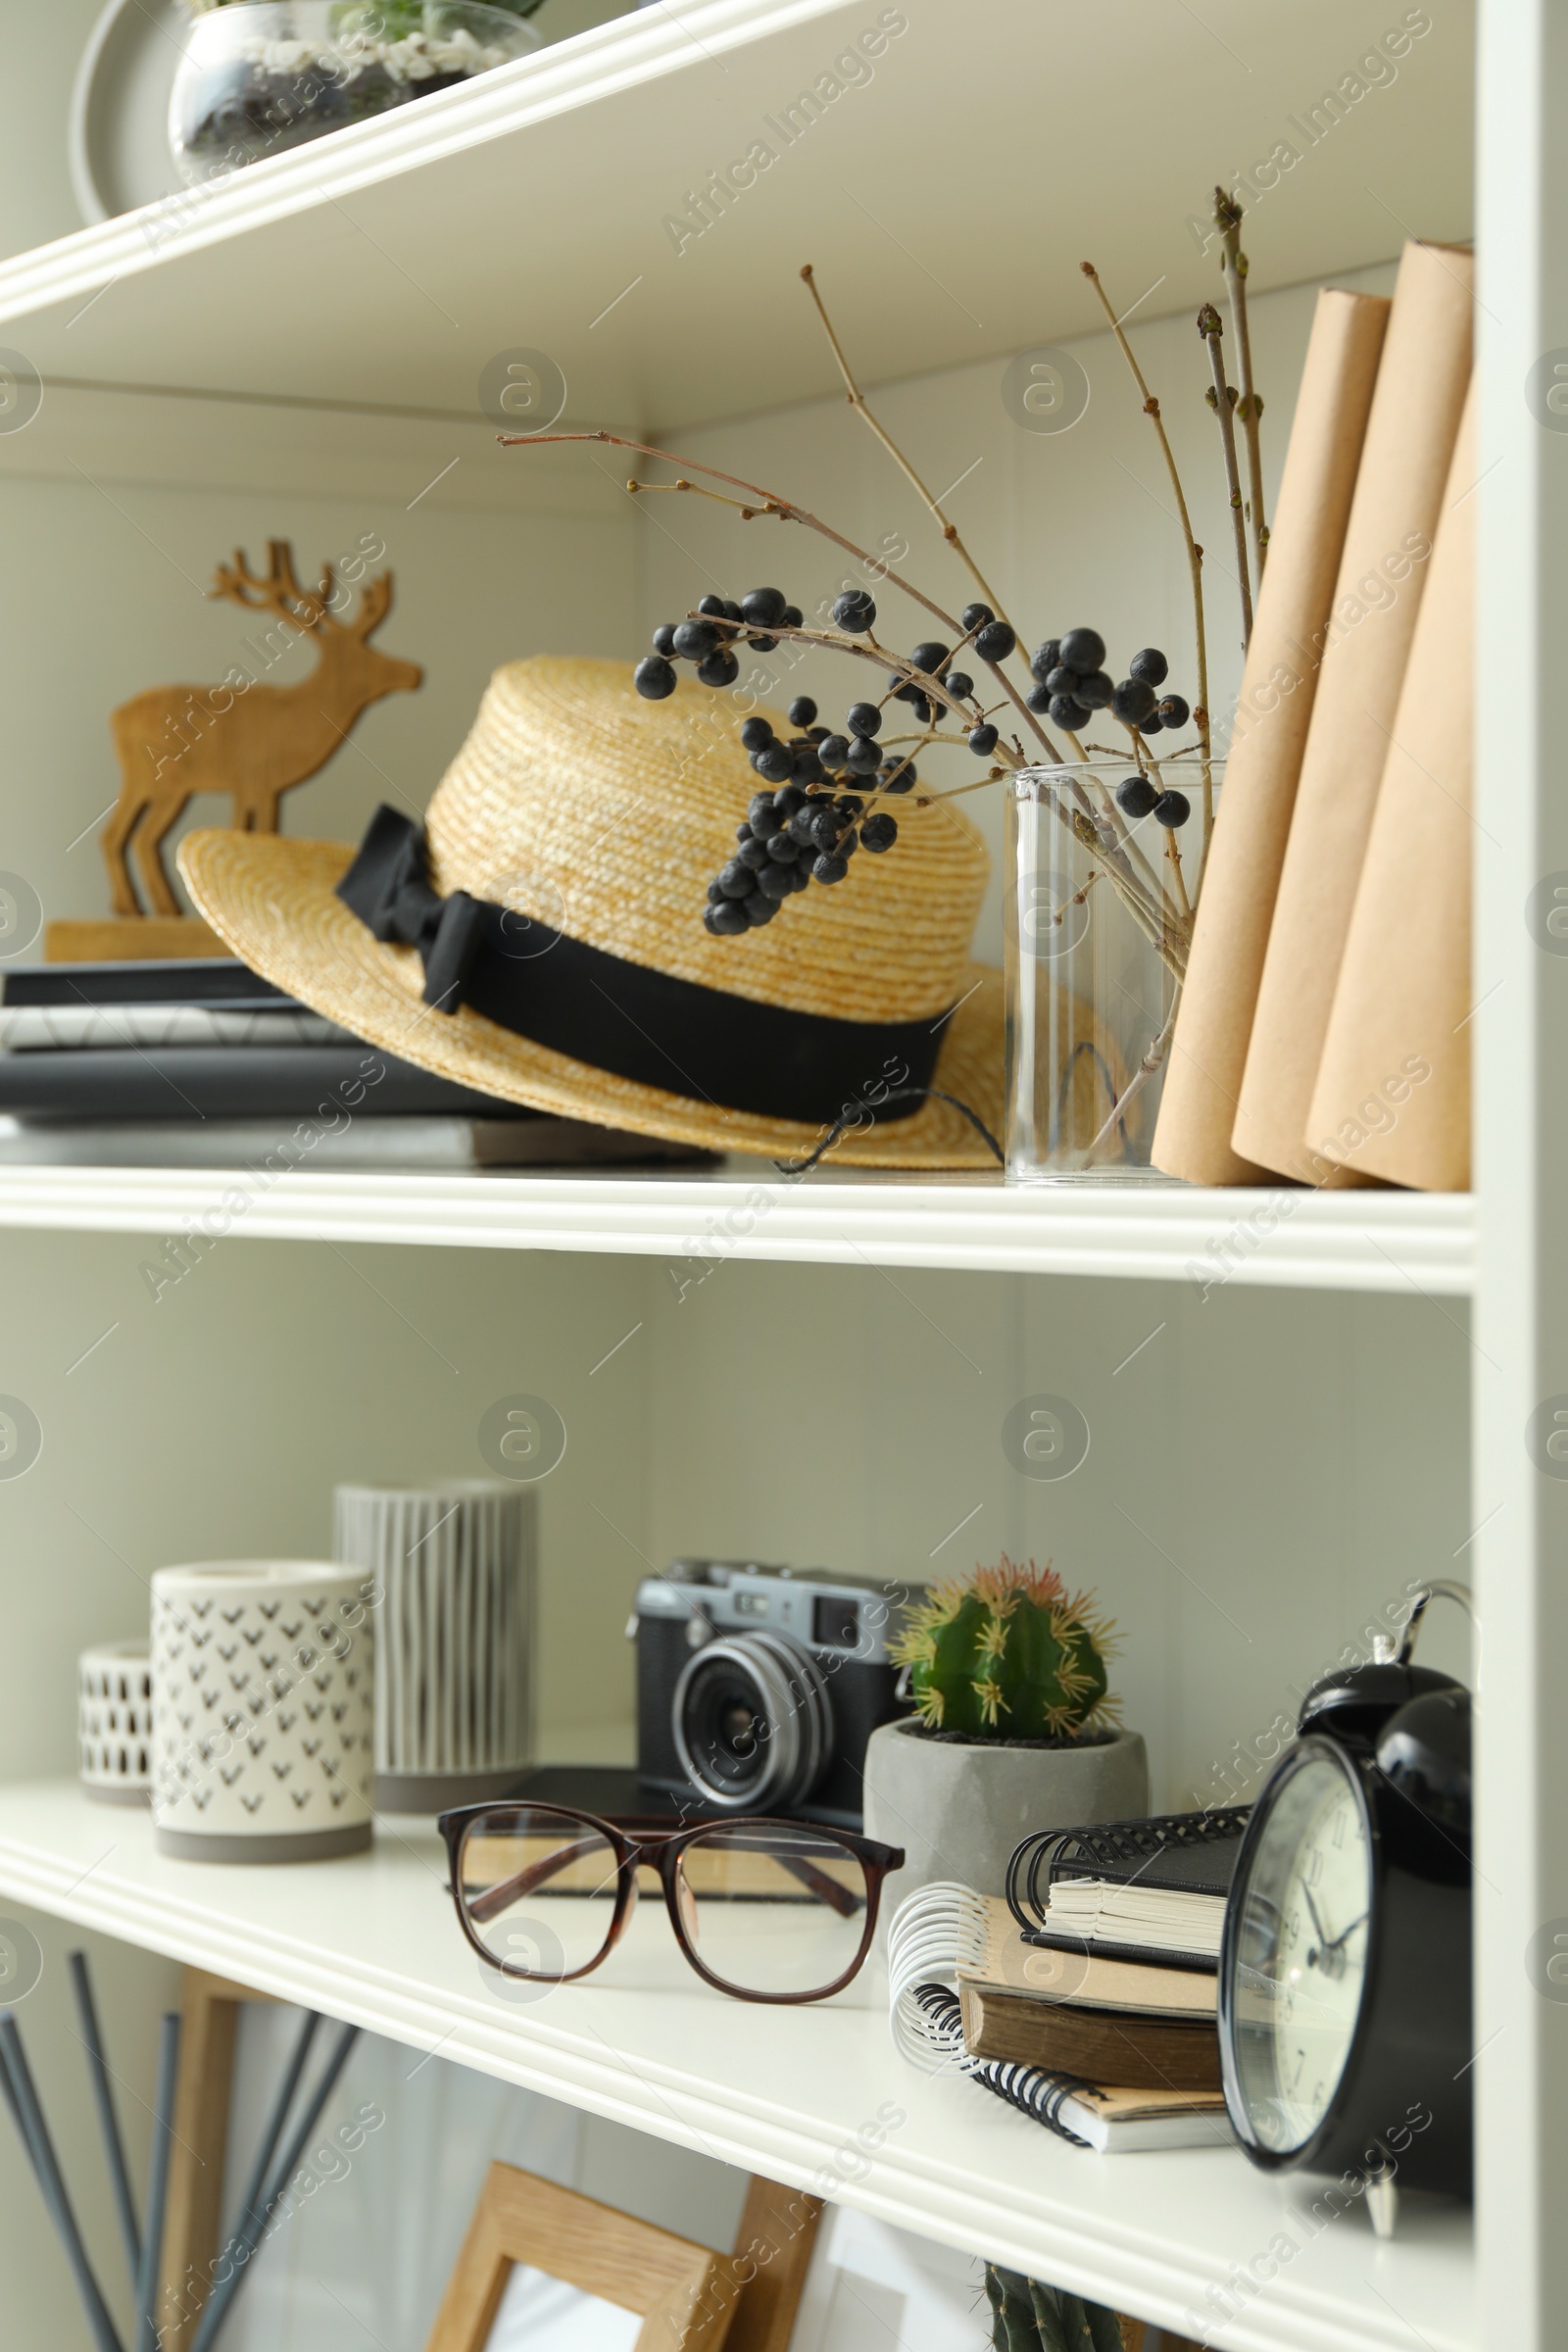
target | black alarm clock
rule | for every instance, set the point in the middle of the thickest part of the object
(1344, 1998)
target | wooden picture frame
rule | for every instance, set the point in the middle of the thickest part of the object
(686, 2293)
(773, 2244)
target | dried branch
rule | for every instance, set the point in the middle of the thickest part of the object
(1194, 553)
(857, 401)
(1249, 408)
(1222, 400)
(786, 510)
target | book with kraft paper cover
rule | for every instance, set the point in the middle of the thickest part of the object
(1422, 381)
(1208, 1052)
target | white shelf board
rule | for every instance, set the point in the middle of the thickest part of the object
(373, 1941)
(946, 199)
(1408, 1243)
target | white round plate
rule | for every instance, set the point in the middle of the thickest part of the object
(120, 155)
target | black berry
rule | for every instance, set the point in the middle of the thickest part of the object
(715, 607)
(983, 742)
(832, 866)
(959, 684)
(665, 638)
(1151, 725)
(786, 802)
(781, 850)
(1172, 809)
(1038, 697)
(1047, 658)
(800, 877)
(996, 641)
(855, 611)
(695, 640)
(774, 764)
(1150, 665)
(653, 678)
(790, 617)
(864, 758)
(1095, 690)
(756, 734)
(1066, 714)
(1083, 649)
(930, 656)
(974, 616)
(849, 804)
(895, 778)
(759, 911)
(720, 669)
(762, 645)
(864, 719)
(1062, 680)
(879, 832)
(802, 711)
(1133, 701)
(774, 881)
(752, 854)
(762, 815)
(833, 752)
(1173, 711)
(726, 918)
(763, 608)
(1135, 798)
(735, 879)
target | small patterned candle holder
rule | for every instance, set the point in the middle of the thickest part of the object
(263, 1698)
(115, 1722)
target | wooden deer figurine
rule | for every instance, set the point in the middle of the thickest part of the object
(252, 741)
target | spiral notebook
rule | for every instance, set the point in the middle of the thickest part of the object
(1137, 1890)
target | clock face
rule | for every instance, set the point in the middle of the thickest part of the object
(1301, 1951)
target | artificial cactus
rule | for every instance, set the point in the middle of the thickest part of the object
(1008, 1653)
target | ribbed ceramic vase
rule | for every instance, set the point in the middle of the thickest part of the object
(115, 1722)
(453, 1567)
(263, 1696)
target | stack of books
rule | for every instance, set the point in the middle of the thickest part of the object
(204, 1064)
(1089, 1999)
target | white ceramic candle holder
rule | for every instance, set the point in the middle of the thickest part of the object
(453, 1567)
(264, 1695)
(114, 1721)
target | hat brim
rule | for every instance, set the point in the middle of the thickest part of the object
(272, 901)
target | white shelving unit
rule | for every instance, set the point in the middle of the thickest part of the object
(340, 303)
(645, 2042)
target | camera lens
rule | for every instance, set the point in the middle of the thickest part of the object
(752, 1722)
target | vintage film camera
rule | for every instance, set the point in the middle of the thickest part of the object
(758, 1688)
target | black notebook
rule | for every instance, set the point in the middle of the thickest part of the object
(1152, 1890)
(202, 980)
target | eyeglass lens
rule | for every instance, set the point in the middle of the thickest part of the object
(539, 1890)
(772, 1907)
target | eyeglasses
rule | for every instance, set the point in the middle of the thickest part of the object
(766, 1910)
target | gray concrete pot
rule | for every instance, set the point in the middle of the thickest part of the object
(960, 1808)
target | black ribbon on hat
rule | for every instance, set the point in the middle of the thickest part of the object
(638, 1024)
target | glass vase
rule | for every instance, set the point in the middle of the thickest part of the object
(1097, 921)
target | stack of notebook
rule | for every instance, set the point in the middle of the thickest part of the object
(1090, 2002)
(203, 1064)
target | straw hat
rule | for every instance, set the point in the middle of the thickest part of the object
(576, 975)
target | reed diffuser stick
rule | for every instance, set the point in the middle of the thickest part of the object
(151, 2245)
(108, 2121)
(45, 2164)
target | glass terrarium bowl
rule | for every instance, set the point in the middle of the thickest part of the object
(262, 76)
(1098, 921)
